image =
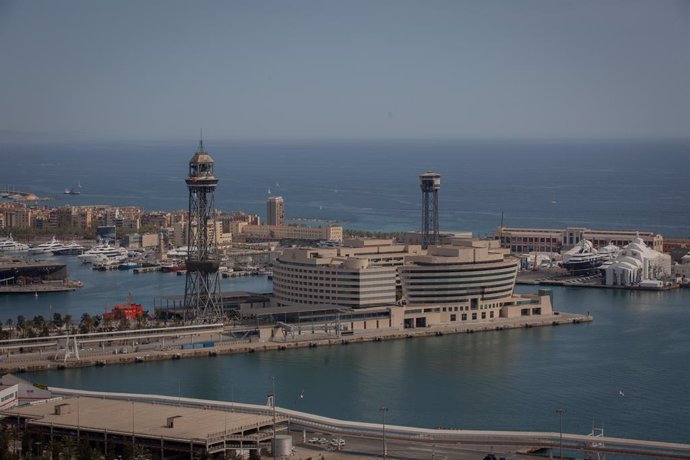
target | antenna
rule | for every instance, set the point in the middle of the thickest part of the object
(201, 139)
(501, 219)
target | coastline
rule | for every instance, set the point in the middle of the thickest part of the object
(562, 318)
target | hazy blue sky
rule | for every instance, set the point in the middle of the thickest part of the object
(346, 69)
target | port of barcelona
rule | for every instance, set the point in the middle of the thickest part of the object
(406, 230)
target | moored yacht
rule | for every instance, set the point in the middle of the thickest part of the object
(582, 259)
(70, 249)
(9, 245)
(103, 253)
(46, 248)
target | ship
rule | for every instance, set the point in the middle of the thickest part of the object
(9, 245)
(582, 259)
(47, 248)
(70, 249)
(73, 190)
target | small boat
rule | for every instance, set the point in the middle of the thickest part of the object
(127, 265)
(73, 190)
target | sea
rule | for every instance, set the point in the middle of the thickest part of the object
(626, 371)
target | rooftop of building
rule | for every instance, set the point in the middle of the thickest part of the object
(145, 419)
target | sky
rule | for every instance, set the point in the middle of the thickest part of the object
(345, 69)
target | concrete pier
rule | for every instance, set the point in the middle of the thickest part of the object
(228, 340)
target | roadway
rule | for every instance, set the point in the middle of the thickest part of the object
(414, 442)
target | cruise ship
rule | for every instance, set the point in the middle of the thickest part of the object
(9, 245)
(103, 254)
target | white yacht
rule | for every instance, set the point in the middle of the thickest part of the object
(71, 249)
(9, 245)
(46, 248)
(103, 253)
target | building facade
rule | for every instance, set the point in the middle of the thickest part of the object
(250, 232)
(320, 277)
(275, 211)
(520, 240)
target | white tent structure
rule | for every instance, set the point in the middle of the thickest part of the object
(636, 263)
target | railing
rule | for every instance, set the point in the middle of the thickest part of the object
(429, 435)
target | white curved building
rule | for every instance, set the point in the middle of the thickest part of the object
(636, 263)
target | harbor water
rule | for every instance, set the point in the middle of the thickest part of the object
(626, 370)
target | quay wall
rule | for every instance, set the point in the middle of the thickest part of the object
(305, 341)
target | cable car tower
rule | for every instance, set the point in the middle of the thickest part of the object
(202, 301)
(430, 183)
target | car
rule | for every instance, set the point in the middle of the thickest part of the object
(313, 440)
(323, 441)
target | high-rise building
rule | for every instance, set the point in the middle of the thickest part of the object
(275, 211)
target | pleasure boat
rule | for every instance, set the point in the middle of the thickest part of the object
(46, 248)
(582, 259)
(9, 245)
(103, 253)
(71, 249)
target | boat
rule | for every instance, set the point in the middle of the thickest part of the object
(127, 265)
(173, 266)
(47, 248)
(71, 249)
(9, 245)
(73, 190)
(130, 310)
(104, 253)
(582, 259)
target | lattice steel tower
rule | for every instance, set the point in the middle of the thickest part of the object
(430, 183)
(202, 288)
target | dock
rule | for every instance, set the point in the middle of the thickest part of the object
(153, 268)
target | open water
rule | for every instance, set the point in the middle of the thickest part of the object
(637, 345)
(374, 185)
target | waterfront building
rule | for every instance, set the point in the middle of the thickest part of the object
(304, 276)
(635, 264)
(275, 211)
(362, 272)
(673, 244)
(520, 240)
(248, 232)
(471, 280)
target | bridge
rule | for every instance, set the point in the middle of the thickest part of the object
(589, 444)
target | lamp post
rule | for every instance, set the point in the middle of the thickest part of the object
(561, 413)
(273, 403)
(384, 410)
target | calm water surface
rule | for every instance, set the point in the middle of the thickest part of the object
(516, 379)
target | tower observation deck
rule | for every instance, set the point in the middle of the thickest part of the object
(429, 183)
(202, 287)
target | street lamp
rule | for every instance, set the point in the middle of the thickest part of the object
(561, 413)
(273, 403)
(384, 410)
